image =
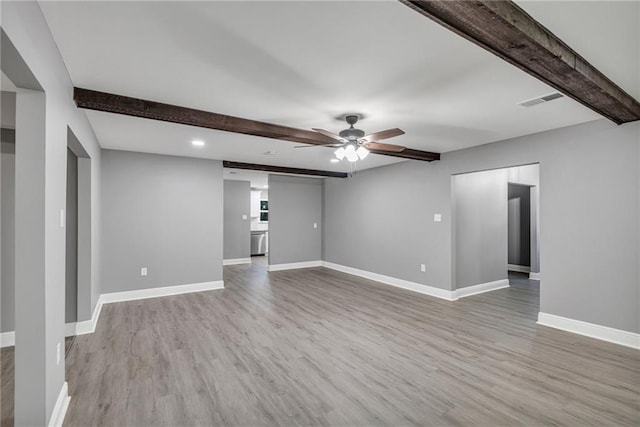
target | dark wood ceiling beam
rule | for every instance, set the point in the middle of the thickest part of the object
(282, 169)
(118, 104)
(503, 28)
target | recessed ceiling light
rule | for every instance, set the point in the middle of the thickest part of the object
(334, 160)
(197, 143)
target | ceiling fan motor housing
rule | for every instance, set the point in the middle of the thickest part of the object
(352, 134)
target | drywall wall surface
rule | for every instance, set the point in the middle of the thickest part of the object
(588, 216)
(163, 213)
(381, 220)
(237, 229)
(480, 220)
(588, 206)
(295, 205)
(7, 234)
(35, 63)
(71, 241)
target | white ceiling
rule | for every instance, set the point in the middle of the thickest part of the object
(605, 33)
(298, 64)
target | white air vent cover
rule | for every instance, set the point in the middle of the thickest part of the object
(540, 99)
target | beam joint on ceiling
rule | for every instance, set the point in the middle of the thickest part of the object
(504, 29)
(283, 169)
(119, 104)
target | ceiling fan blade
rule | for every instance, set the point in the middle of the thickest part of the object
(330, 135)
(384, 147)
(318, 145)
(384, 134)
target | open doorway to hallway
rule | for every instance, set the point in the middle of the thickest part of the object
(496, 230)
(246, 217)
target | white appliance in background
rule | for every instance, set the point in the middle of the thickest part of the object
(259, 242)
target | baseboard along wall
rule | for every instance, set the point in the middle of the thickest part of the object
(60, 408)
(393, 281)
(294, 265)
(7, 339)
(236, 261)
(604, 333)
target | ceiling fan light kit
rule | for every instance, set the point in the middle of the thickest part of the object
(354, 145)
(351, 153)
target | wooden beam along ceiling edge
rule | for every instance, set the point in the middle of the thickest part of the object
(282, 169)
(504, 29)
(118, 104)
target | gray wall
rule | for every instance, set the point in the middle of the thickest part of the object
(7, 234)
(160, 212)
(389, 211)
(71, 270)
(589, 210)
(30, 55)
(295, 204)
(480, 227)
(237, 231)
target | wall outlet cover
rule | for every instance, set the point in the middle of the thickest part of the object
(244, 217)
(143, 271)
(437, 217)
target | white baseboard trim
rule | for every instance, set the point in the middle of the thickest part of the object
(160, 292)
(388, 280)
(60, 410)
(236, 261)
(520, 268)
(294, 265)
(604, 333)
(89, 326)
(481, 288)
(70, 329)
(534, 276)
(7, 339)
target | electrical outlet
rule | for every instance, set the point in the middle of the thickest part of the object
(143, 271)
(244, 217)
(423, 267)
(315, 225)
(58, 353)
(437, 217)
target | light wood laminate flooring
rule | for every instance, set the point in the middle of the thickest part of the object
(319, 347)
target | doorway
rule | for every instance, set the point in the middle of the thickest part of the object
(246, 217)
(495, 229)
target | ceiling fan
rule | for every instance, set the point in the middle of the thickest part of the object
(354, 144)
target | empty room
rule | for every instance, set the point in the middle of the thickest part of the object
(335, 213)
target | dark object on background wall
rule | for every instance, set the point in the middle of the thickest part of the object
(264, 216)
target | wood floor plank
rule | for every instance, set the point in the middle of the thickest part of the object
(323, 348)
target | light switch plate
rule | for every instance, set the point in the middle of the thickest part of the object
(244, 217)
(423, 267)
(63, 219)
(143, 271)
(437, 217)
(315, 225)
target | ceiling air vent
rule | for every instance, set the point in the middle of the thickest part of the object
(540, 99)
